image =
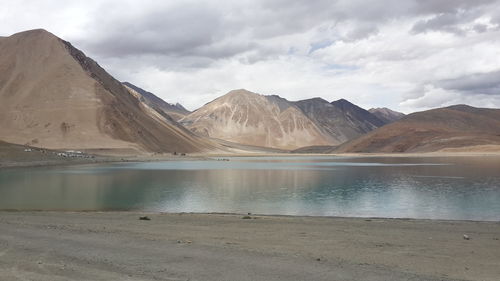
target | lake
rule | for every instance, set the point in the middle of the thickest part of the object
(465, 188)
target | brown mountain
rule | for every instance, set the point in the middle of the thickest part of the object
(252, 119)
(340, 120)
(454, 128)
(176, 111)
(54, 96)
(385, 114)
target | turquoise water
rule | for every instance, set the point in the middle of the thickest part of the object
(430, 187)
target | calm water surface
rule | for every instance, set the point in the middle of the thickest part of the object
(431, 187)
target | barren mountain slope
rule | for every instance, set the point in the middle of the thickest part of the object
(53, 96)
(459, 128)
(248, 118)
(176, 111)
(385, 114)
(340, 119)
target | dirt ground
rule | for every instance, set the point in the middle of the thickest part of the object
(118, 246)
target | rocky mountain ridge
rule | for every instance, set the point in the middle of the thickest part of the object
(54, 96)
(385, 114)
(176, 111)
(253, 119)
(453, 128)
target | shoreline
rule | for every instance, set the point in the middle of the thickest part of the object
(98, 160)
(367, 155)
(49, 245)
(207, 156)
(435, 220)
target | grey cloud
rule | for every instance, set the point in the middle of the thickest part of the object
(474, 88)
(361, 32)
(179, 30)
(443, 22)
(450, 16)
(480, 28)
(447, 6)
(219, 50)
(477, 84)
(213, 30)
(162, 63)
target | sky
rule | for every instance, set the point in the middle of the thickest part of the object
(407, 55)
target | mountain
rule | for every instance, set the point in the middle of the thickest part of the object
(53, 96)
(252, 119)
(386, 115)
(454, 128)
(176, 111)
(340, 120)
(182, 108)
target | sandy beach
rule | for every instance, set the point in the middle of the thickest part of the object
(119, 246)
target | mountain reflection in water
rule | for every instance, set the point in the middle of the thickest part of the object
(430, 187)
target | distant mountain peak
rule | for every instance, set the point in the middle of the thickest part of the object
(385, 114)
(460, 107)
(176, 111)
(315, 99)
(383, 109)
(34, 31)
(237, 95)
(340, 119)
(343, 102)
(181, 107)
(254, 119)
(241, 92)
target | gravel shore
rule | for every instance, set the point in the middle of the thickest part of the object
(118, 246)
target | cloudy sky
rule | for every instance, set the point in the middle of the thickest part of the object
(407, 55)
